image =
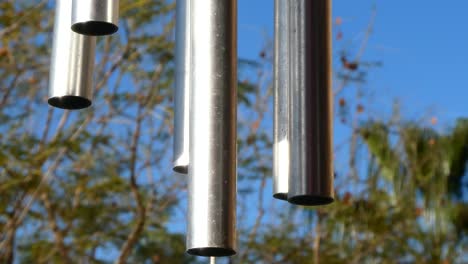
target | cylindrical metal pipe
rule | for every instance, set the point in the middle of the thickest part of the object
(212, 187)
(72, 64)
(182, 87)
(311, 172)
(281, 101)
(95, 17)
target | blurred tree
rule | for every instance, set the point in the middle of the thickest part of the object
(88, 186)
(95, 186)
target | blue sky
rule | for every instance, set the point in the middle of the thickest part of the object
(423, 46)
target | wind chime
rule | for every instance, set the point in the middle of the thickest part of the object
(206, 102)
(76, 24)
(303, 109)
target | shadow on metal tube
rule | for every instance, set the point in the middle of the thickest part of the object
(182, 87)
(72, 64)
(281, 101)
(211, 229)
(95, 17)
(311, 178)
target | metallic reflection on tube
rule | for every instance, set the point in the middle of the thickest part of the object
(95, 17)
(211, 229)
(311, 179)
(72, 63)
(182, 87)
(281, 101)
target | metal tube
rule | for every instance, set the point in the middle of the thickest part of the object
(95, 17)
(72, 64)
(182, 87)
(212, 187)
(281, 101)
(311, 174)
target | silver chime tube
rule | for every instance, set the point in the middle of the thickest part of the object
(95, 17)
(182, 87)
(281, 101)
(211, 227)
(311, 178)
(72, 64)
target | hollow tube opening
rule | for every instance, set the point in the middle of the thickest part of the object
(281, 196)
(211, 252)
(183, 169)
(311, 200)
(95, 28)
(69, 102)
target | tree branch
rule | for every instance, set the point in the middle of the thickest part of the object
(141, 209)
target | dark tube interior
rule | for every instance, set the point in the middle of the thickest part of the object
(281, 196)
(211, 252)
(95, 28)
(310, 200)
(69, 102)
(181, 169)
